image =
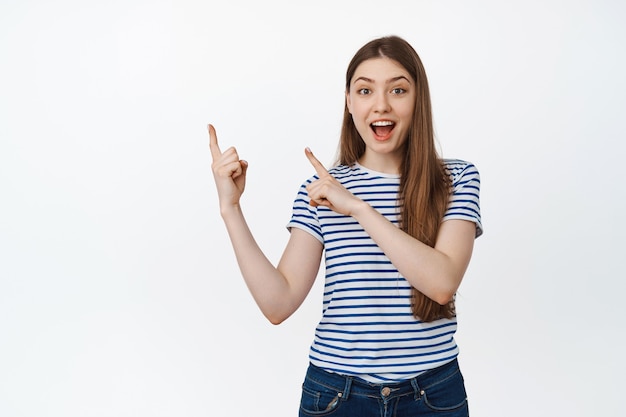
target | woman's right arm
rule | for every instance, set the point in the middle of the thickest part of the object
(278, 291)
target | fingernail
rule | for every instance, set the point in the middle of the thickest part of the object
(308, 149)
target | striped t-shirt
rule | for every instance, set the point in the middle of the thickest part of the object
(367, 328)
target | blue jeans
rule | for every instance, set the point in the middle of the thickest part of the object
(438, 392)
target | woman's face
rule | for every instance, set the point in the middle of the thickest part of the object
(381, 101)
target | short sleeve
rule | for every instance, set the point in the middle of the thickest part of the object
(464, 202)
(304, 216)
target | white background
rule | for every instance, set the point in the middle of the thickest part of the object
(119, 293)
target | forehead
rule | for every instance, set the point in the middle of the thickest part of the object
(380, 70)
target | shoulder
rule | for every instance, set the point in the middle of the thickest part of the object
(340, 172)
(464, 202)
(344, 173)
(460, 170)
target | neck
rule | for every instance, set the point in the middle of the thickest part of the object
(387, 164)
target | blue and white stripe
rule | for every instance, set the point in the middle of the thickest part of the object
(367, 328)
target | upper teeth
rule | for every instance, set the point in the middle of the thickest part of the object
(383, 123)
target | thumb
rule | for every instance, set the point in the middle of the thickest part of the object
(244, 168)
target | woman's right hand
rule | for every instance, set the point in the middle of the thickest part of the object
(229, 173)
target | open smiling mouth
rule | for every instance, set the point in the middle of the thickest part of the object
(382, 129)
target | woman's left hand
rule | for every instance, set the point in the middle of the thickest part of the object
(328, 192)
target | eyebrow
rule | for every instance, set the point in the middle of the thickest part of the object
(391, 80)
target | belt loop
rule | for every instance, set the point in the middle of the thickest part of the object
(346, 389)
(416, 388)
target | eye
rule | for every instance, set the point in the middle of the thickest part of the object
(398, 91)
(363, 91)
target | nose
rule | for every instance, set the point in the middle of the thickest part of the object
(382, 103)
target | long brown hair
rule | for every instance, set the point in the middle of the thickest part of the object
(424, 184)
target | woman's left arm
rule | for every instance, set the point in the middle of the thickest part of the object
(436, 272)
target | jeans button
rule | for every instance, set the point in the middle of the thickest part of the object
(386, 391)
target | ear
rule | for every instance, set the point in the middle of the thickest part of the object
(348, 102)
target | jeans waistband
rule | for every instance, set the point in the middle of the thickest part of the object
(349, 385)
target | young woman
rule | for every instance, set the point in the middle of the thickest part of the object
(396, 224)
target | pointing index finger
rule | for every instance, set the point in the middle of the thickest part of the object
(215, 149)
(319, 168)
